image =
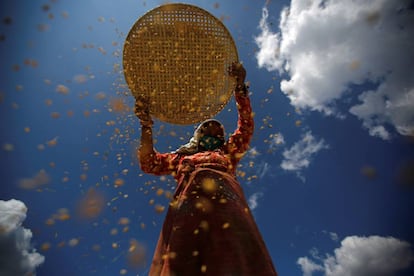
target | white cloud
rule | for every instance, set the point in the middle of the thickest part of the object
(308, 266)
(360, 256)
(17, 257)
(253, 200)
(300, 154)
(325, 46)
(262, 169)
(332, 235)
(276, 141)
(253, 153)
(268, 43)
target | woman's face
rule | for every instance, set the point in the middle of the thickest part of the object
(213, 129)
(212, 136)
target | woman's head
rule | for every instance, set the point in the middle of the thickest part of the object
(209, 135)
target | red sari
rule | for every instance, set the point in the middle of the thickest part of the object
(209, 229)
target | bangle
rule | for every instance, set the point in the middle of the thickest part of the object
(242, 89)
(146, 123)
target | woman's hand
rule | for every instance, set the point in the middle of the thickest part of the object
(142, 105)
(237, 71)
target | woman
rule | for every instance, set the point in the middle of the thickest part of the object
(208, 228)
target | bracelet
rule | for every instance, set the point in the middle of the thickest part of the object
(147, 123)
(242, 89)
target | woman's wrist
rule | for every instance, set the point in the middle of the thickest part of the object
(242, 89)
(146, 123)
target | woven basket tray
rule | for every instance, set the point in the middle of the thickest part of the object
(177, 55)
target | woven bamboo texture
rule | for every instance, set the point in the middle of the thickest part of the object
(177, 55)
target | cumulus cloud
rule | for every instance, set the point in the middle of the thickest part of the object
(300, 154)
(17, 257)
(360, 256)
(268, 43)
(327, 46)
(308, 266)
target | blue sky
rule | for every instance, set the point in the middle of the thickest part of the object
(329, 175)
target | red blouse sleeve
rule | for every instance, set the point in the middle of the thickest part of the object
(160, 163)
(239, 141)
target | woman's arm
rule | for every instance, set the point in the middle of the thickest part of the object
(150, 160)
(239, 141)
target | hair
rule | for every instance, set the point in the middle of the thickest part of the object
(193, 145)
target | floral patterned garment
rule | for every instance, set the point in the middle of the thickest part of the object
(229, 155)
(209, 229)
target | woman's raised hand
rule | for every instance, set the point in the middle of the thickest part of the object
(142, 105)
(237, 71)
